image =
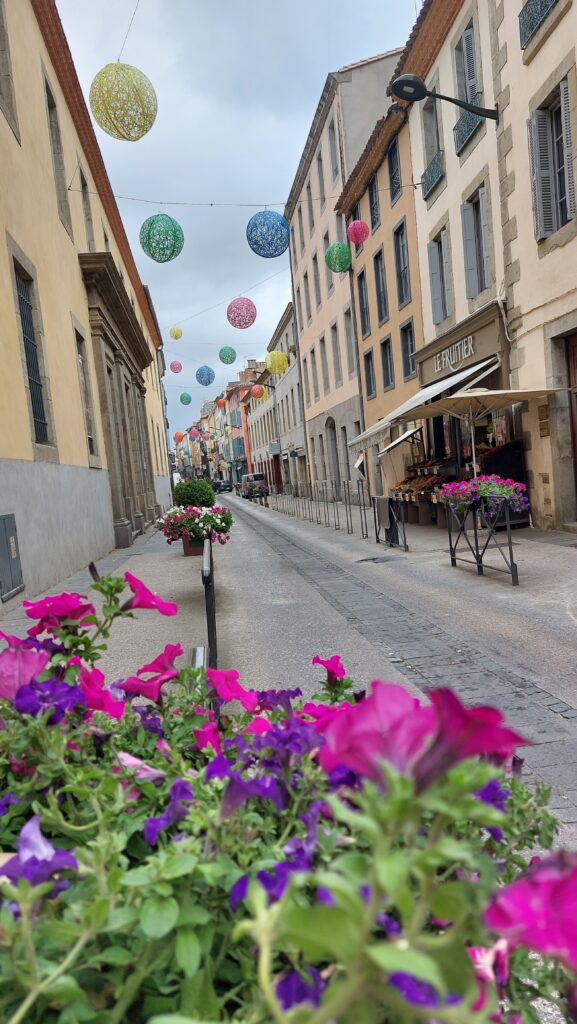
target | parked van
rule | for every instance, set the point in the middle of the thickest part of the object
(254, 484)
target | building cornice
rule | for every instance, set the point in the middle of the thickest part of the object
(100, 272)
(61, 58)
(427, 37)
(385, 130)
(327, 96)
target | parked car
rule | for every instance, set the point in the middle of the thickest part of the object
(254, 484)
(221, 485)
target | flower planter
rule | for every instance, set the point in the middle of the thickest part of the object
(192, 546)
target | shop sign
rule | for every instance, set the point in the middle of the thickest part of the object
(452, 357)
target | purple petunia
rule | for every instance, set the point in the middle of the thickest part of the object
(150, 723)
(296, 987)
(5, 802)
(270, 700)
(51, 695)
(240, 790)
(37, 860)
(420, 993)
(495, 795)
(180, 795)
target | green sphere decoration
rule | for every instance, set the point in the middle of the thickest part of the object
(227, 355)
(338, 257)
(123, 102)
(185, 398)
(162, 238)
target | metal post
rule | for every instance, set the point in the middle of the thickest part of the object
(362, 509)
(512, 562)
(337, 522)
(210, 601)
(348, 509)
(377, 538)
(318, 503)
(326, 504)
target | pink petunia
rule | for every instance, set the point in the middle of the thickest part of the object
(149, 688)
(91, 681)
(145, 598)
(333, 667)
(258, 727)
(141, 771)
(227, 687)
(53, 610)
(164, 663)
(208, 736)
(491, 969)
(18, 667)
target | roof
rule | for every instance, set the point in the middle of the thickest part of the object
(371, 60)
(327, 96)
(59, 52)
(427, 37)
(371, 158)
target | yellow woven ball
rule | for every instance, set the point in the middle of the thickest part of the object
(176, 333)
(276, 362)
(123, 102)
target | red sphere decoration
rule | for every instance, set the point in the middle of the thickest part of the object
(221, 402)
(175, 366)
(179, 436)
(358, 232)
(257, 391)
(206, 437)
(241, 313)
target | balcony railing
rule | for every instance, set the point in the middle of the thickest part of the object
(467, 124)
(434, 173)
(532, 17)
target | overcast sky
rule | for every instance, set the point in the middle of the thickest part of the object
(237, 86)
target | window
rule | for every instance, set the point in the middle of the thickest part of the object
(381, 286)
(341, 229)
(314, 459)
(310, 208)
(58, 159)
(431, 128)
(350, 343)
(294, 246)
(35, 383)
(315, 373)
(408, 350)
(394, 170)
(387, 363)
(363, 304)
(369, 374)
(336, 355)
(85, 390)
(308, 309)
(301, 229)
(106, 242)
(476, 244)
(356, 215)
(87, 213)
(7, 100)
(300, 311)
(374, 202)
(466, 66)
(316, 280)
(321, 175)
(333, 150)
(551, 160)
(440, 276)
(402, 264)
(328, 273)
(293, 407)
(324, 366)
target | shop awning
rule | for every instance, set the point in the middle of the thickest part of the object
(400, 440)
(380, 431)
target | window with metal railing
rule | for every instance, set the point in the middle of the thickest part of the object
(532, 16)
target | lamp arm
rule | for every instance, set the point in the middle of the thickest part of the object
(491, 113)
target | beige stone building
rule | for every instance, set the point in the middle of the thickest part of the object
(83, 454)
(351, 102)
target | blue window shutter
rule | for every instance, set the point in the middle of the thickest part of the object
(485, 237)
(435, 271)
(446, 270)
(568, 148)
(542, 173)
(470, 64)
(470, 250)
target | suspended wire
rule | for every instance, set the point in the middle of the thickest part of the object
(223, 302)
(128, 29)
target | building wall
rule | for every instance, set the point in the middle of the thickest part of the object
(44, 230)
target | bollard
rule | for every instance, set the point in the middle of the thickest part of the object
(337, 522)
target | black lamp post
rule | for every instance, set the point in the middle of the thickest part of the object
(412, 88)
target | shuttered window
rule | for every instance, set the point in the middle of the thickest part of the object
(381, 286)
(476, 246)
(440, 277)
(551, 164)
(466, 62)
(402, 264)
(370, 374)
(306, 382)
(307, 295)
(363, 304)
(328, 271)
(374, 202)
(35, 385)
(86, 392)
(321, 176)
(387, 363)
(394, 170)
(408, 350)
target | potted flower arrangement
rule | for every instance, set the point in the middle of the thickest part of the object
(350, 858)
(486, 491)
(194, 524)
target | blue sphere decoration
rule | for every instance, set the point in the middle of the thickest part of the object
(205, 376)
(268, 234)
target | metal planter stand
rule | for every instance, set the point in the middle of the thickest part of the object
(462, 541)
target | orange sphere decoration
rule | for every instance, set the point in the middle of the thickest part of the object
(257, 391)
(179, 436)
(221, 402)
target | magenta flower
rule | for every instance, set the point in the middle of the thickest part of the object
(164, 663)
(227, 687)
(208, 736)
(149, 688)
(462, 733)
(333, 666)
(258, 727)
(491, 969)
(97, 697)
(539, 911)
(145, 598)
(18, 667)
(141, 771)
(52, 695)
(36, 859)
(54, 610)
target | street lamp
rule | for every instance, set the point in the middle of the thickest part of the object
(412, 88)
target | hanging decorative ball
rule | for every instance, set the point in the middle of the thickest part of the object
(358, 231)
(185, 398)
(176, 333)
(221, 402)
(175, 366)
(194, 433)
(227, 355)
(179, 436)
(227, 430)
(338, 257)
(263, 396)
(206, 437)
(123, 102)
(162, 238)
(205, 375)
(276, 362)
(257, 391)
(213, 437)
(268, 234)
(241, 313)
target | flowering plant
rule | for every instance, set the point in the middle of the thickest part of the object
(301, 862)
(482, 490)
(196, 523)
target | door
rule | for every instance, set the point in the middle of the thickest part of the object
(572, 360)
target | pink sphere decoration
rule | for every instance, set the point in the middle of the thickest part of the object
(193, 432)
(241, 313)
(358, 232)
(257, 391)
(175, 366)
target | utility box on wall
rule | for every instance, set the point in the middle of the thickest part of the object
(11, 581)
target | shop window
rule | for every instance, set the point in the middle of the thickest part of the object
(363, 304)
(374, 202)
(551, 161)
(394, 166)
(370, 385)
(408, 350)
(310, 208)
(402, 264)
(387, 364)
(476, 243)
(440, 276)
(381, 286)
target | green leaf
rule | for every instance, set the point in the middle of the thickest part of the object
(390, 958)
(139, 876)
(184, 864)
(175, 1018)
(121, 918)
(393, 872)
(450, 900)
(118, 956)
(188, 951)
(97, 913)
(193, 915)
(65, 990)
(197, 995)
(158, 916)
(318, 931)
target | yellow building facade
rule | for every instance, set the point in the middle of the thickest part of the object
(83, 454)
